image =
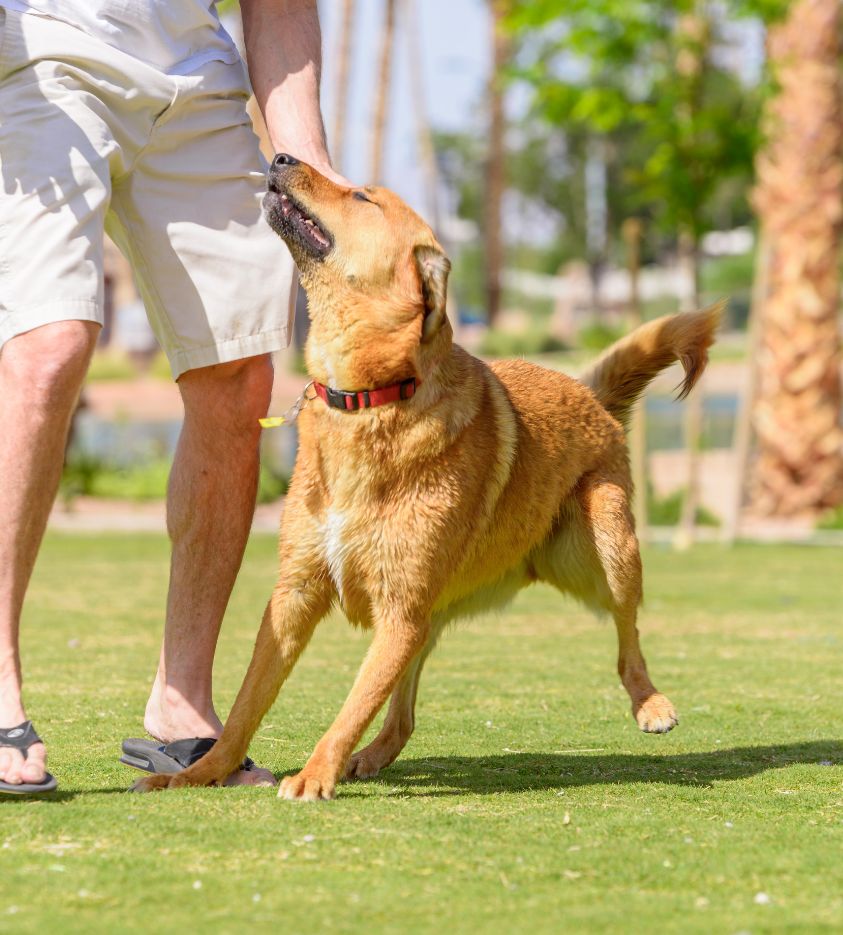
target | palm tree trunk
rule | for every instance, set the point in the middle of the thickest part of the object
(495, 166)
(344, 37)
(799, 197)
(382, 91)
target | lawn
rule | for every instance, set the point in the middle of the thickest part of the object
(527, 801)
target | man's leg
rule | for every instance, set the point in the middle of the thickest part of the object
(210, 503)
(41, 373)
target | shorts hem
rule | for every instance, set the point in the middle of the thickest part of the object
(35, 316)
(266, 342)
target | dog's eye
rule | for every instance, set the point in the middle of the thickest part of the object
(361, 196)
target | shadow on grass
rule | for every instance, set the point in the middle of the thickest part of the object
(59, 796)
(525, 772)
(530, 772)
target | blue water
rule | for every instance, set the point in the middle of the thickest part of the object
(121, 442)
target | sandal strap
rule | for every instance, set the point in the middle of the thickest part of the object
(20, 738)
(186, 752)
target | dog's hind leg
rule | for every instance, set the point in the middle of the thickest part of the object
(595, 557)
(397, 726)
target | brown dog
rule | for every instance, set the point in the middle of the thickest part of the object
(473, 482)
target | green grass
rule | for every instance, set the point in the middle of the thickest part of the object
(526, 802)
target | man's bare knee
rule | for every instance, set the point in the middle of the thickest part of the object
(236, 394)
(48, 364)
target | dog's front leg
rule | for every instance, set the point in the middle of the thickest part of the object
(396, 642)
(294, 609)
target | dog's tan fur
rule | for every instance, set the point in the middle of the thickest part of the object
(418, 512)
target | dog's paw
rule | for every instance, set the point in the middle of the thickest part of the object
(306, 786)
(368, 762)
(155, 782)
(656, 715)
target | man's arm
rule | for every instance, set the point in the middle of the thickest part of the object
(284, 54)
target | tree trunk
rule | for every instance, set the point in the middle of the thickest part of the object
(694, 35)
(632, 231)
(344, 37)
(427, 150)
(382, 91)
(495, 166)
(799, 198)
(686, 531)
(742, 438)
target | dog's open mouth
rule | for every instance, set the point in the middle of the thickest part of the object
(293, 222)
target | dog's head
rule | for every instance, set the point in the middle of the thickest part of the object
(373, 269)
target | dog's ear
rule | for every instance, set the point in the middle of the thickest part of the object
(433, 267)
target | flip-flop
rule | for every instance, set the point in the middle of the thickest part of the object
(154, 757)
(22, 738)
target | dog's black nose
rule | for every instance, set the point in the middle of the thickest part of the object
(284, 159)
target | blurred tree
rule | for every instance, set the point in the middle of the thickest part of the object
(594, 75)
(382, 89)
(424, 135)
(607, 64)
(799, 469)
(639, 73)
(496, 158)
(344, 36)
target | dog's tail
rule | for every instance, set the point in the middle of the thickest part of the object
(623, 371)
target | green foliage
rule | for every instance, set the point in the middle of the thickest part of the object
(109, 365)
(528, 343)
(89, 476)
(832, 520)
(725, 275)
(679, 127)
(526, 801)
(272, 484)
(596, 335)
(666, 511)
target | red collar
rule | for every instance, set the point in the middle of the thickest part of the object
(364, 399)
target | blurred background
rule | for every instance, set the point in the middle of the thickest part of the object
(587, 164)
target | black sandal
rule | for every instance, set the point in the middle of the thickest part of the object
(22, 738)
(154, 757)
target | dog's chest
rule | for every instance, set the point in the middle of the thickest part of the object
(335, 549)
(348, 556)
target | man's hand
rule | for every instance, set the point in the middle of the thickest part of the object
(284, 55)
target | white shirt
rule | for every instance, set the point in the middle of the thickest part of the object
(176, 36)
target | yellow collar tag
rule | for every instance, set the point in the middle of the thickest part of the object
(290, 416)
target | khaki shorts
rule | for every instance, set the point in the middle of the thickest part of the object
(93, 139)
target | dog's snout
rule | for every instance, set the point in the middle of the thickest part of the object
(284, 159)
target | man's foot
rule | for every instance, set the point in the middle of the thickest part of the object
(15, 768)
(169, 717)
